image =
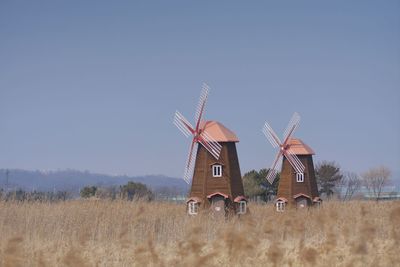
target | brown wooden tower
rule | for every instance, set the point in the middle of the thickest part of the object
(298, 189)
(297, 185)
(212, 165)
(217, 183)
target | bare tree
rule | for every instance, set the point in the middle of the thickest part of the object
(375, 178)
(352, 183)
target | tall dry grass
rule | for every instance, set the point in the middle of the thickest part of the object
(119, 233)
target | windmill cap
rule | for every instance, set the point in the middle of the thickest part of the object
(299, 147)
(218, 131)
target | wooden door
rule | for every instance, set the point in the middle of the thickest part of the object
(301, 202)
(218, 205)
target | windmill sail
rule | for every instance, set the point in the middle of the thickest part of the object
(198, 135)
(284, 147)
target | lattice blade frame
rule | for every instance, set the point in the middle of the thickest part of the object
(272, 172)
(190, 162)
(183, 124)
(212, 145)
(201, 106)
(292, 126)
(271, 135)
(294, 161)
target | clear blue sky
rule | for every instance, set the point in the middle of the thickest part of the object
(93, 85)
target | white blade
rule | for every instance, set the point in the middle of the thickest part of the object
(271, 175)
(292, 126)
(210, 144)
(182, 123)
(202, 103)
(272, 172)
(271, 135)
(294, 161)
(191, 160)
(213, 145)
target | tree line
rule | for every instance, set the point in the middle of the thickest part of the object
(129, 191)
(22, 195)
(331, 181)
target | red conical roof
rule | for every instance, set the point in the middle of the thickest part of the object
(218, 131)
(299, 147)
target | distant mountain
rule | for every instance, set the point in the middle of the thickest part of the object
(73, 180)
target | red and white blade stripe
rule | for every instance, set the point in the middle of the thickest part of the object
(202, 103)
(271, 135)
(292, 126)
(182, 123)
(190, 163)
(294, 161)
(271, 175)
(210, 144)
(272, 172)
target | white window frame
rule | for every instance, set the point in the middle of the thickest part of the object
(300, 177)
(242, 207)
(280, 206)
(193, 208)
(217, 170)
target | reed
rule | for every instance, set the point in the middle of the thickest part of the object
(122, 233)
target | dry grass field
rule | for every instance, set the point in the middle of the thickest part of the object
(120, 233)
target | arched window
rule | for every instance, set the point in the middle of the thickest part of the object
(193, 208)
(217, 170)
(280, 206)
(300, 177)
(242, 207)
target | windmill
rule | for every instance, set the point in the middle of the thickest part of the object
(212, 164)
(297, 184)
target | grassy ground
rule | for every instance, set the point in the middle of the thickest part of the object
(119, 233)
